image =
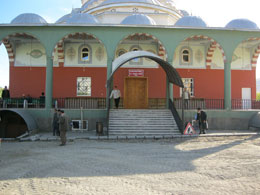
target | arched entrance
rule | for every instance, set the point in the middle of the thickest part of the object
(171, 73)
(14, 123)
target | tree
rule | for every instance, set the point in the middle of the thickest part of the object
(1, 89)
(257, 96)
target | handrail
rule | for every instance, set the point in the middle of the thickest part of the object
(176, 116)
(108, 109)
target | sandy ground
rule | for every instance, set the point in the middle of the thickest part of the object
(205, 165)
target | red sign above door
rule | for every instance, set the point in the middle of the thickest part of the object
(135, 73)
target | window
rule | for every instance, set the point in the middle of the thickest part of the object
(85, 54)
(136, 61)
(84, 86)
(189, 85)
(120, 52)
(186, 56)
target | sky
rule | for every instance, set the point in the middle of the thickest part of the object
(215, 13)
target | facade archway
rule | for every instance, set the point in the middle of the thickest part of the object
(172, 75)
(200, 60)
(148, 69)
(27, 64)
(5, 67)
(79, 58)
(243, 73)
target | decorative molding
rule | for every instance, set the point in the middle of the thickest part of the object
(99, 53)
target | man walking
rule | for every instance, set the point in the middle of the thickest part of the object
(186, 98)
(63, 127)
(202, 118)
(116, 94)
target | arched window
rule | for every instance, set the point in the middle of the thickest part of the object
(85, 54)
(136, 61)
(120, 52)
(186, 56)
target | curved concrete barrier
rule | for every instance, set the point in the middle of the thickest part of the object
(255, 120)
(29, 120)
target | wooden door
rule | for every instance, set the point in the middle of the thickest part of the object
(136, 93)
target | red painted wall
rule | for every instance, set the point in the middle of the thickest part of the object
(207, 83)
(243, 79)
(26, 80)
(156, 81)
(65, 81)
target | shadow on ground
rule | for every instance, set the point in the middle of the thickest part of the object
(86, 158)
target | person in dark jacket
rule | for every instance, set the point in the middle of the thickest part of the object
(63, 127)
(55, 123)
(5, 93)
(202, 118)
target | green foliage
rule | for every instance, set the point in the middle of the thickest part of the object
(257, 96)
(1, 89)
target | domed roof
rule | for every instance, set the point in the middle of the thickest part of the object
(28, 18)
(87, 4)
(131, 1)
(242, 23)
(138, 19)
(82, 18)
(63, 19)
(184, 13)
(190, 21)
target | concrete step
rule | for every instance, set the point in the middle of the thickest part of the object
(142, 123)
(143, 134)
(146, 132)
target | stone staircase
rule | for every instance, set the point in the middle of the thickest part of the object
(159, 122)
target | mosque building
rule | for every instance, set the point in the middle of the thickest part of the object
(89, 39)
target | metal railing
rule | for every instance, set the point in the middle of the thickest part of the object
(78, 103)
(22, 103)
(207, 104)
(154, 103)
(244, 104)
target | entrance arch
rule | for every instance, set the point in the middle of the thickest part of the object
(171, 73)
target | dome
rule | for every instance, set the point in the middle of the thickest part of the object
(87, 4)
(184, 13)
(63, 19)
(82, 18)
(138, 19)
(155, 2)
(66, 17)
(241, 23)
(28, 18)
(191, 21)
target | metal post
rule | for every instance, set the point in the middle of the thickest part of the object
(183, 110)
(49, 83)
(81, 117)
